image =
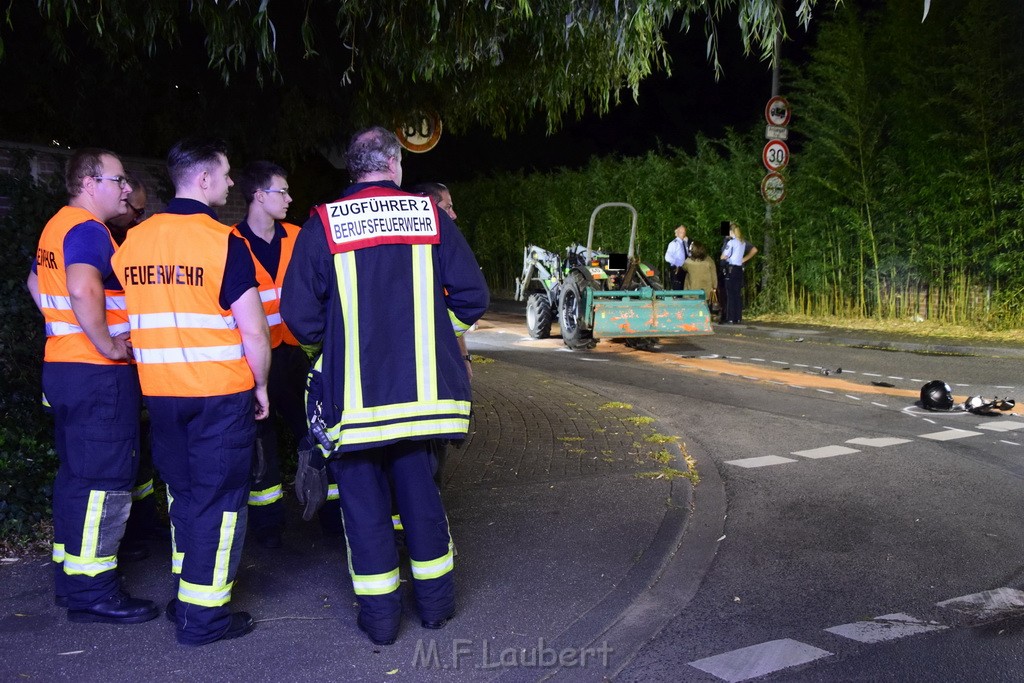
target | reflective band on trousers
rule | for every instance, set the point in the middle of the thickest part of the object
(266, 496)
(192, 355)
(431, 569)
(375, 584)
(206, 596)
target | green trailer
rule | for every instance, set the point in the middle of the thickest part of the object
(594, 294)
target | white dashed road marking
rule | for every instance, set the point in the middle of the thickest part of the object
(760, 461)
(987, 602)
(825, 452)
(1002, 426)
(949, 434)
(880, 442)
(886, 627)
(759, 660)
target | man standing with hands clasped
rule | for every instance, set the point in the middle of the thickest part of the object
(385, 282)
(676, 254)
(92, 390)
(202, 345)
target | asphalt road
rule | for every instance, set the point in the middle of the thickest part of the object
(843, 502)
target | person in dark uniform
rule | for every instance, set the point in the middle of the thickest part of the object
(202, 346)
(264, 185)
(91, 389)
(389, 378)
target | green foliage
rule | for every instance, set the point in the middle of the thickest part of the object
(495, 63)
(27, 459)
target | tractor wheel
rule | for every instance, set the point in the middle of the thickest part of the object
(570, 314)
(538, 316)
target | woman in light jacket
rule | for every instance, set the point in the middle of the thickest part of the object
(701, 272)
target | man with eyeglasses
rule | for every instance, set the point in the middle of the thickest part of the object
(92, 389)
(264, 186)
(203, 351)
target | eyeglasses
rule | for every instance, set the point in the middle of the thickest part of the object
(119, 179)
(282, 191)
(139, 213)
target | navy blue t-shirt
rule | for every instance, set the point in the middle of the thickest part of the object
(267, 253)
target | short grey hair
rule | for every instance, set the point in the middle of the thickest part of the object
(370, 150)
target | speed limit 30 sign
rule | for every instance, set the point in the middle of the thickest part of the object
(775, 155)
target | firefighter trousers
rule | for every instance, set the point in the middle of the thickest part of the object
(366, 480)
(203, 449)
(96, 435)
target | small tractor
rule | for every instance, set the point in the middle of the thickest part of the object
(594, 294)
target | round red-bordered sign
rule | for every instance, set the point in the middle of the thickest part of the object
(775, 155)
(422, 135)
(773, 188)
(777, 111)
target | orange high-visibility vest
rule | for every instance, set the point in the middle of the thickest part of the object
(172, 268)
(65, 340)
(270, 288)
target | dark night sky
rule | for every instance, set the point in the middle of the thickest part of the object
(671, 110)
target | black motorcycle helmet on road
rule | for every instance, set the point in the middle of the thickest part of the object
(936, 395)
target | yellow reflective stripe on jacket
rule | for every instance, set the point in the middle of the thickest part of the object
(345, 267)
(391, 432)
(58, 553)
(143, 490)
(375, 584)
(393, 411)
(266, 496)
(332, 492)
(432, 569)
(206, 596)
(423, 322)
(458, 326)
(396, 522)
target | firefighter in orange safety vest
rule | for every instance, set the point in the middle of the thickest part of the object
(202, 346)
